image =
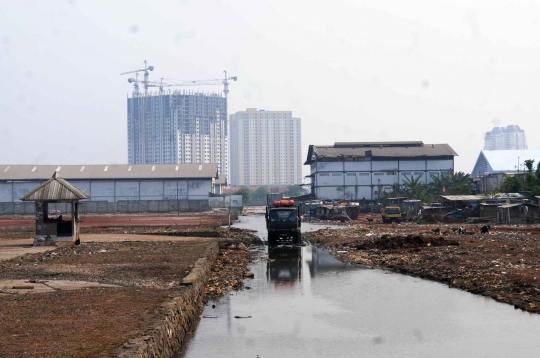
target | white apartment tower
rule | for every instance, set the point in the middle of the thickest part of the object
(265, 148)
(501, 138)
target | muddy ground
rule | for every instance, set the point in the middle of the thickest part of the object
(504, 264)
(97, 321)
(20, 227)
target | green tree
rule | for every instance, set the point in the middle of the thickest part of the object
(530, 177)
(460, 189)
(529, 164)
(412, 186)
(244, 191)
(260, 194)
(294, 190)
(511, 185)
(531, 183)
(460, 178)
(438, 182)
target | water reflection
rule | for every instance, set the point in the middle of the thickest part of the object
(284, 265)
(304, 303)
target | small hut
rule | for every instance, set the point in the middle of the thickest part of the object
(60, 228)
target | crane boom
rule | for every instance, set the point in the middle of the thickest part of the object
(214, 81)
(135, 80)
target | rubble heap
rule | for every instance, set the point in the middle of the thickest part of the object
(504, 264)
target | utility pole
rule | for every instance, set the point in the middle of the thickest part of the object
(230, 215)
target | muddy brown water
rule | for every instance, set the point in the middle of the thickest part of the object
(304, 303)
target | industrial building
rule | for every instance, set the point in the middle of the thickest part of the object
(119, 188)
(493, 166)
(180, 127)
(503, 161)
(265, 148)
(355, 171)
(510, 138)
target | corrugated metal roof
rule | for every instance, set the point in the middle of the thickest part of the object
(509, 205)
(221, 180)
(56, 189)
(379, 144)
(427, 150)
(463, 197)
(114, 171)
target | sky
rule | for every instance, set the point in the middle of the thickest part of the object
(437, 71)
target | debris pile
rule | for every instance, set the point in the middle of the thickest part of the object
(503, 264)
(229, 269)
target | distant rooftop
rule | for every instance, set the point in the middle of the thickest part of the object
(380, 150)
(513, 128)
(377, 144)
(140, 171)
(503, 161)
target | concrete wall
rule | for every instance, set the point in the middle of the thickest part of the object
(105, 207)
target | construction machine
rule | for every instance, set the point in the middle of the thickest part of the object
(391, 214)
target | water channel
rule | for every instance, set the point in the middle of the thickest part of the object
(304, 303)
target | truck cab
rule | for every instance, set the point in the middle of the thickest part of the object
(391, 214)
(283, 223)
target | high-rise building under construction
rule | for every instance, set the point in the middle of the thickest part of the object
(181, 127)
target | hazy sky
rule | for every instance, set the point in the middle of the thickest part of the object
(437, 71)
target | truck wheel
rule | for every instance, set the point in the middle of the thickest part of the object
(271, 239)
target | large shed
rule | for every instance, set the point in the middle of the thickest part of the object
(115, 188)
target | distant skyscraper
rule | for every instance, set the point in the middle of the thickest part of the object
(500, 138)
(265, 148)
(178, 128)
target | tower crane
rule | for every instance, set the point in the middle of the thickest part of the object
(226, 80)
(136, 81)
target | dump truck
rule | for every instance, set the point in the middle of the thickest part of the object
(283, 222)
(391, 214)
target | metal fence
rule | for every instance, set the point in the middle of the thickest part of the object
(104, 207)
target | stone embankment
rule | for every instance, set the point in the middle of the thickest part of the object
(181, 313)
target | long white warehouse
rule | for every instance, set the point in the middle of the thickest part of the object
(116, 188)
(356, 171)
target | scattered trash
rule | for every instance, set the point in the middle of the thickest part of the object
(502, 265)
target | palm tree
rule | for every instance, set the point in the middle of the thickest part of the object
(461, 178)
(412, 186)
(438, 183)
